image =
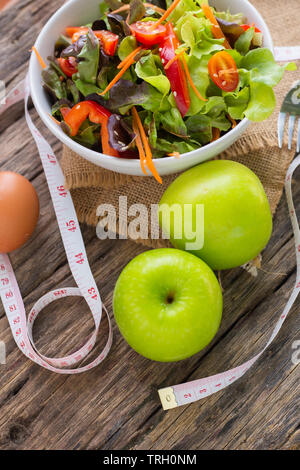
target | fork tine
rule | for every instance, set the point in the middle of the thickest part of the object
(291, 129)
(281, 122)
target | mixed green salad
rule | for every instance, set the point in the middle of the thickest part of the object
(149, 80)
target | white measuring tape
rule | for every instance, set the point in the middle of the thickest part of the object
(70, 231)
(76, 255)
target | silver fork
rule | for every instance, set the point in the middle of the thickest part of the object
(290, 107)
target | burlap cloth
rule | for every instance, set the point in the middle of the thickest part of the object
(91, 185)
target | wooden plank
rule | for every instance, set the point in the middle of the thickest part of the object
(116, 405)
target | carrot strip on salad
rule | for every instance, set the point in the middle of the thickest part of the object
(139, 145)
(176, 57)
(129, 57)
(188, 75)
(233, 121)
(215, 133)
(118, 76)
(216, 30)
(166, 14)
(146, 145)
(174, 154)
(39, 58)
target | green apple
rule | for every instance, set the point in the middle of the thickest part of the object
(237, 221)
(167, 304)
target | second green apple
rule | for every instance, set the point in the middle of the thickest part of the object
(237, 217)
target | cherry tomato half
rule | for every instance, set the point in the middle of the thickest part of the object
(223, 71)
(108, 39)
(68, 66)
(247, 26)
(146, 35)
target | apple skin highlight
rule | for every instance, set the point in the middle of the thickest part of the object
(167, 304)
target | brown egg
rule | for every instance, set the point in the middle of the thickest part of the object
(19, 210)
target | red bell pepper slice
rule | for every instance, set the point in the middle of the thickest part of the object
(247, 26)
(175, 72)
(96, 114)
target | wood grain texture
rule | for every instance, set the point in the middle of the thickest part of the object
(116, 406)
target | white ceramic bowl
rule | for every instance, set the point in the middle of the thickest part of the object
(77, 12)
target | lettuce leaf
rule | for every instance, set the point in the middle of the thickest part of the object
(199, 128)
(262, 102)
(53, 85)
(183, 7)
(127, 45)
(89, 59)
(121, 136)
(243, 43)
(172, 122)
(199, 73)
(263, 67)
(238, 18)
(125, 94)
(237, 102)
(195, 33)
(136, 11)
(164, 146)
(147, 69)
(88, 136)
(86, 88)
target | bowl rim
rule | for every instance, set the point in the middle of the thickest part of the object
(127, 165)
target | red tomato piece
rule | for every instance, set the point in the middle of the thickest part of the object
(108, 40)
(175, 72)
(146, 35)
(223, 71)
(68, 65)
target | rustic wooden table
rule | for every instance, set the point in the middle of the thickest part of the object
(116, 405)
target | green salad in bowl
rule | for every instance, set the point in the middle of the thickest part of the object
(149, 80)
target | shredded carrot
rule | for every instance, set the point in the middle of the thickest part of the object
(171, 61)
(40, 59)
(129, 57)
(127, 7)
(215, 133)
(190, 79)
(146, 146)
(233, 121)
(53, 119)
(139, 145)
(118, 76)
(216, 30)
(174, 154)
(118, 10)
(165, 15)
